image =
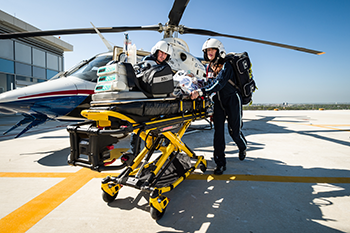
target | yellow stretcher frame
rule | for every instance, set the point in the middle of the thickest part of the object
(157, 201)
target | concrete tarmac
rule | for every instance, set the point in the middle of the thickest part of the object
(296, 178)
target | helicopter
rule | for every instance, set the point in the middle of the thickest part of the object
(65, 95)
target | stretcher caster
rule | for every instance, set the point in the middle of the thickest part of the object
(202, 167)
(108, 198)
(158, 204)
(109, 189)
(155, 214)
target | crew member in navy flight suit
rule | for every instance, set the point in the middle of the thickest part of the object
(227, 102)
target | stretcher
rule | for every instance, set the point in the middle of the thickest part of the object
(160, 123)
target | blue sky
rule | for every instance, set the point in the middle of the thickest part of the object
(282, 75)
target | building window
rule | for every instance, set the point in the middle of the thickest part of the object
(21, 78)
(7, 66)
(6, 48)
(38, 57)
(7, 82)
(23, 53)
(52, 61)
(39, 72)
(23, 64)
(4, 78)
(50, 73)
(23, 69)
(60, 63)
(11, 82)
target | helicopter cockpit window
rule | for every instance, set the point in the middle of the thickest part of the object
(89, 70)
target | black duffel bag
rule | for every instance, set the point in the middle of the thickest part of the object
(153, 81)
(157, 80)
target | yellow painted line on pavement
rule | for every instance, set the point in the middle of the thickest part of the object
(209, 177)
(35, 174)
(26, 216)
(333, 127)
(325, 126)
(264, 178)
(49, 174)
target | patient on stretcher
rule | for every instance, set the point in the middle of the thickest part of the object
(122, 81)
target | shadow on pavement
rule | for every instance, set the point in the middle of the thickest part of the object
(248, 206)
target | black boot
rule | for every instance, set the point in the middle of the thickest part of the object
(219, 170)
(242, 154)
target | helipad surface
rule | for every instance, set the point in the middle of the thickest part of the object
(296, 178)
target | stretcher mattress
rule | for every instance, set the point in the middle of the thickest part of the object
(145, 108)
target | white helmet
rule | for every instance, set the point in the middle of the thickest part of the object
(164, 47)
(213, 43)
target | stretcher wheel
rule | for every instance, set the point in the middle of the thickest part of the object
(155, 214)
(202, 167)
(108, 198)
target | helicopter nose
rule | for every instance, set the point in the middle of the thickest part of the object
(5, 103)
(3, 97)
(11, 96)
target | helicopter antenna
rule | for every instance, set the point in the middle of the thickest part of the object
(108, 45)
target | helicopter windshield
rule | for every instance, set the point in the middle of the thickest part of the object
(88, 71)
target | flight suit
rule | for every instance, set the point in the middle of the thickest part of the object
(227, 105)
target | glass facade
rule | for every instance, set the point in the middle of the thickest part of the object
(7, 66)
(6, 48)
(23, 64)
(7, 82)
(50, 73)
(39, 72)
(52, 61)
(23, 53)
(23, 69)
(39, 57)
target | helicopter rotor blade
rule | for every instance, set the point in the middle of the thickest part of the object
(77, 31)
(177, 11)
(212, 33)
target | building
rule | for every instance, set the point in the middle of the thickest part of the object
(26, 61)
